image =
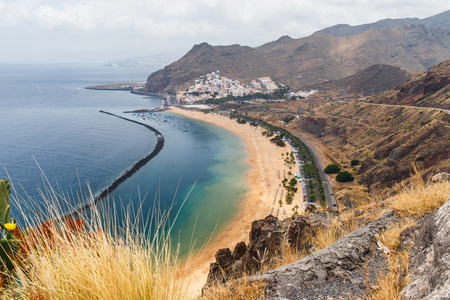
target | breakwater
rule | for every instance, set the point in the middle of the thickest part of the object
(130, 171)
(127, 174)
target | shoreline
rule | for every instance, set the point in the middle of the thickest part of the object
(267, 170)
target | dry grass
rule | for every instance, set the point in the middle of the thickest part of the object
(391, 283)
(101, 259)
(391, 237)
(288, 255)
(242, 289)
(413, 200)
(326, 236)
(341, 225)
(101, 267)
(418, 197)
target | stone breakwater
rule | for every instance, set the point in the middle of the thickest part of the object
(133, 169)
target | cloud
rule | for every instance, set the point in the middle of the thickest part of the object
(159, 24)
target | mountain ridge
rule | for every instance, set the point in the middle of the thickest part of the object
(309, 60)
(437, 21)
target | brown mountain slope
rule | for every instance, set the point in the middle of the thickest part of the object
(321, 56)
(429, 89)
(441, 21)
(232, 61)
(370, 81)
(387, 140)
(313, 59)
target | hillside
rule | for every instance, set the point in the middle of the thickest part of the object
(234, 61)
(386, 139)
(309, 60)
(439, 21)
(370, 81)
(430, 89)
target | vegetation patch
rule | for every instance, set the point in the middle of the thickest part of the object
(332, 169)
(418, 198)
(344, 176)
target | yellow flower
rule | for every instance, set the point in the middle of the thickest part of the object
(10, 226)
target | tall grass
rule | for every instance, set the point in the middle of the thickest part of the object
(412, 201)
(96, 256)
(419, 197)
(236, 290)
(391, 283)
(338, 227)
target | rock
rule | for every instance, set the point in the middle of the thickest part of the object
(224, 258)
(310, 207)
(430, 259)
(408, 236)
(441, 176)
(239, 250)
(215, 274)
(329, 267)
(266, 237)
(265, 241)
(299, 234)
(396, 154)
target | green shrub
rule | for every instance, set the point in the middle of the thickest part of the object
(354, 162)
(344, 176)
(332, 168)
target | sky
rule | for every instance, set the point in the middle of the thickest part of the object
(102, 31)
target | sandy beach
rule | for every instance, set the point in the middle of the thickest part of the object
(268, 169)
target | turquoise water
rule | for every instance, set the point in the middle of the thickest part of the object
(48, 117)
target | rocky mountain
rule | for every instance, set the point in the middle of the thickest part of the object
(373, 80)
(310, 60)
(429, 89)
(234, 61)
(439, 21)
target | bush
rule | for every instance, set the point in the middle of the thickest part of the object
(344, 176)
(332, 168)
(293, 182)
(354, 162)
(278, 141)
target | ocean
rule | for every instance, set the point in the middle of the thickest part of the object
(52, 133)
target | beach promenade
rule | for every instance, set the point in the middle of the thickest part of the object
(268, 169)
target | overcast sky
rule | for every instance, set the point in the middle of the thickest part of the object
(101, 31)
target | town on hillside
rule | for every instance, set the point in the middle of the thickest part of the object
(215, 86)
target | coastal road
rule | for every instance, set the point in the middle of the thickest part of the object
(396, 105)
(331, 199)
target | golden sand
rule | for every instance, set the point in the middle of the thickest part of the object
(268, 169)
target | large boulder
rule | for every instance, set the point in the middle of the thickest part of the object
(430, 259)
(265, 241)
(331, 270)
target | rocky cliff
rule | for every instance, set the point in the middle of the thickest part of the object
(350, 267)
